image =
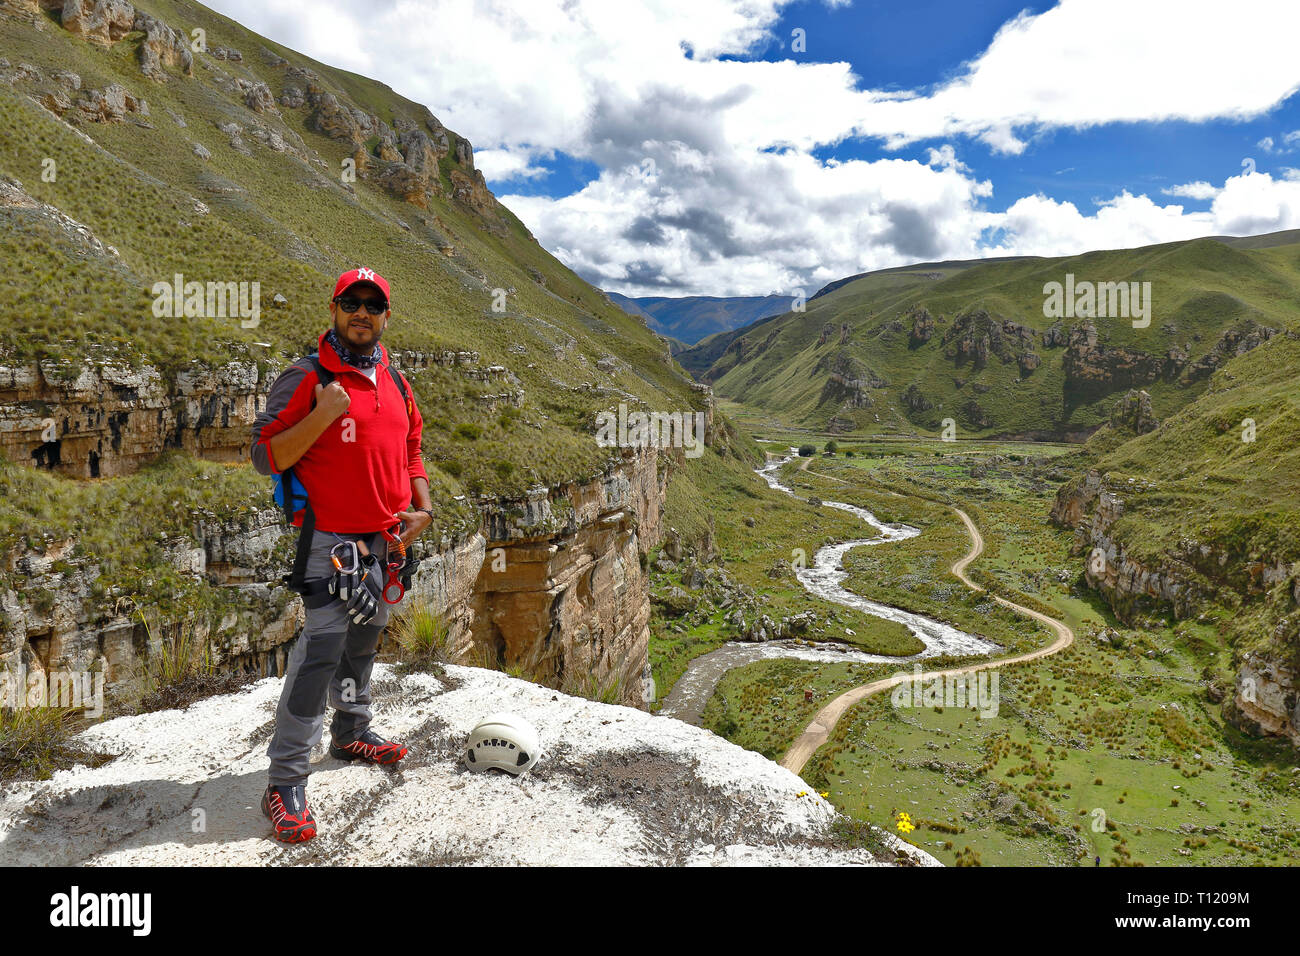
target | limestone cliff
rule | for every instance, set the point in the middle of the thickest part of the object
(563, 592)
(1184, 580)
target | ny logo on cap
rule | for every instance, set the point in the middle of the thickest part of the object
(365, 273)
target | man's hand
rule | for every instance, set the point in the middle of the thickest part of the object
(333, 400)
(413, 523)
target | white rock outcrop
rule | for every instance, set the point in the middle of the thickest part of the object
(615, 786)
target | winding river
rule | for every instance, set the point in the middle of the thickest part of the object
(824, 578)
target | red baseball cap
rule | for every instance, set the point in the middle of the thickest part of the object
(353, 276)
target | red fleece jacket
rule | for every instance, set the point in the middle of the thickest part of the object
(358, 473)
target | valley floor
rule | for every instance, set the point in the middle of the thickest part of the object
(1109, 750)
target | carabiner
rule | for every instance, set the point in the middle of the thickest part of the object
(354, 564)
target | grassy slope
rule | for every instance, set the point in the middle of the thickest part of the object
(291, 225)
(1199, 288)
(1195, 482)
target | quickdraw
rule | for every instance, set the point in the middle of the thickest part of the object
(393, 590)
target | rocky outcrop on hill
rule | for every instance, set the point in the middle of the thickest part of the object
(1132, 414)
(916, 400)
(1236, 341)
(974, 336)
(97, 21)
(161, 47)
(974, 415)
(406, 160)
(922, 328)
(1264, 701)
(848, 380)
(1182, 581)
(108, 105)
(1091, 506)
(101, 418)
(105, 22)
(1093, 369)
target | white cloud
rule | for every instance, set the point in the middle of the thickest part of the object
(1197, 190)
(511, 163)
(735, 201)
(1289, 142)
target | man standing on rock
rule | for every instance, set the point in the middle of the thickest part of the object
(344, 421)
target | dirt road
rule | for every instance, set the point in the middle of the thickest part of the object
(823, 723)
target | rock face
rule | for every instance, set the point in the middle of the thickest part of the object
(1133, 414)
(922, 328)
(1264, 701)
(1091, 507)
(240, 558)
(1092, 369)
(80, 629)
(563, 592)
(974, 336)
(108, 105)
(1233, 342)
(848, 381)
(161, 47)
(100, 418)
(98, 21)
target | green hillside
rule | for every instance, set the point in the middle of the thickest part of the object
(902, 351)
(1212, 495)
(171, 192)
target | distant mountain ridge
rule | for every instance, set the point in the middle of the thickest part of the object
(692, 318)
(908, 349)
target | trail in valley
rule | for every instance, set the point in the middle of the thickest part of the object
(823, 578)
(819, 729)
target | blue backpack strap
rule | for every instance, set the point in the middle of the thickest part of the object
(297, 578)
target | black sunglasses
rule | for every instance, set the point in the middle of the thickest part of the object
(350, 304)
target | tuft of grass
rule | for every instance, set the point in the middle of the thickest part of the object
(37, 741)
(423, 640)
(182, 672)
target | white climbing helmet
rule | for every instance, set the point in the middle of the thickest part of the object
(504, 741)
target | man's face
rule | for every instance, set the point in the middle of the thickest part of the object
(360, 330)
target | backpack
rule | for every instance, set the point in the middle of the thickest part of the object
(291, 496)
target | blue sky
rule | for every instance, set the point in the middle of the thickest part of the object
(684, 147)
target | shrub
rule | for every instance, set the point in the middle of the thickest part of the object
(807, 451)
(468, 430)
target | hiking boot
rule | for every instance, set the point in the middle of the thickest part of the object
(286, 808)
(369, 747)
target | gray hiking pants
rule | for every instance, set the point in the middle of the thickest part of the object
(331, 661)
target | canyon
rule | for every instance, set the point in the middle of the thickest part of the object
(552, 582)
